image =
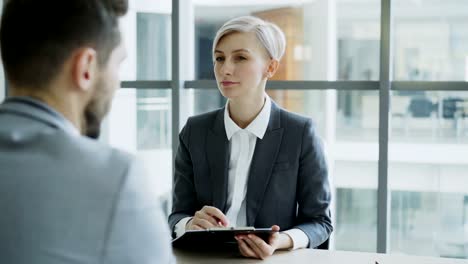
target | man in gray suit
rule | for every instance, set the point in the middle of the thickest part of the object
(64, 197)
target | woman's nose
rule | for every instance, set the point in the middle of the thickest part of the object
(227, 68)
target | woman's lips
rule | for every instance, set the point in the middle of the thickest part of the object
(228, 83)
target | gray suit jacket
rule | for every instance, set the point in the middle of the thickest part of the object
(65, 198)
(288, 180)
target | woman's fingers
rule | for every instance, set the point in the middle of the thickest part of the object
(203, 215)
(208, 217)
(216, 213)
(259, 251)
(205, 224)
(245, 250)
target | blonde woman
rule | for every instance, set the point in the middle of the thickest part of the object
(251, 163)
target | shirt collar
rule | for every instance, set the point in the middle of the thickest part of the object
(257, 127)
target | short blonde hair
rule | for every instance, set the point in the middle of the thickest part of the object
(269, 34)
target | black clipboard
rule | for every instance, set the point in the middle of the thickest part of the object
(218, 237)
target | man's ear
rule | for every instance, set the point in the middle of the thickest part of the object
(272, 68)
(84, 68)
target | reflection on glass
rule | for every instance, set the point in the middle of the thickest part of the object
(147, 35)
(348, 125)
(431, 40)
(428, 172)
(153, 119)
(153, 46)
(429, 116)
(356, 219)
(207, 100)
(429, 215)
(326, 40)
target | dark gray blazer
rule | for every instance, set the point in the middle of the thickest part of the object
(65, 198)
(287, 185)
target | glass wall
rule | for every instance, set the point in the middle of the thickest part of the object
(325, 40)
(430, 40)
(429, 173)
(139, 122)
(340, 40)
(328, 41)
(140, 118)
(429, 131)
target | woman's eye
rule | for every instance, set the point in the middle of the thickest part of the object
(219, 59)
(241, 58)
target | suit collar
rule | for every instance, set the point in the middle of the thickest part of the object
(218, 124)
(217, 151)
(39, 111)
(275, 117)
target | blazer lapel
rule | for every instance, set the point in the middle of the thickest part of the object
(266, 151)
(217, 148)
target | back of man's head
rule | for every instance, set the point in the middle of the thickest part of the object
(37, 36)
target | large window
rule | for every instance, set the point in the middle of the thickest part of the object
(139, 123)
(140, 120)
(326, 41)
(431, 40)
(428, 162)
(406, 161)
(344, 58)
(341, 40)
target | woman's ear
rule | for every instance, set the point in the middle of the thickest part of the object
(272, 68)
(84, 67)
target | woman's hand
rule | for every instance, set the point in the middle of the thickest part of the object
(207, 217)
(254, 247)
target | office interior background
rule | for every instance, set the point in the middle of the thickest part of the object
(331, 72)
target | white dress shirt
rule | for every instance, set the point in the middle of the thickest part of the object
(241, 146)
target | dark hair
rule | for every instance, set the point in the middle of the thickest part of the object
(37, 36)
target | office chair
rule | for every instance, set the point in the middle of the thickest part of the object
(421, 107)
(449, 107)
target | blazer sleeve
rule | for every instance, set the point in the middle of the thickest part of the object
(138, 231)
(313, 189)
(183, 194)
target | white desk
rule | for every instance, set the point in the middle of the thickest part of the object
(312, 256)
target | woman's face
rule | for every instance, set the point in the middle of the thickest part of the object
(240, 65)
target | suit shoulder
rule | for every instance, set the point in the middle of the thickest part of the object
(102, 155)
(294, 119)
